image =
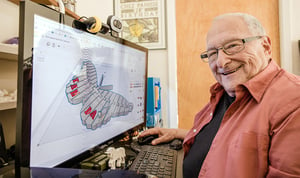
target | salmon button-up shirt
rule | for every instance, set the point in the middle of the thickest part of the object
(259, 135)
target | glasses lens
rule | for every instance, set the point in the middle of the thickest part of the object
(203, 55)
(234, 47)
(212, 54)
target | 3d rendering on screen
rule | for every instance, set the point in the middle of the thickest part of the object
(99, 104)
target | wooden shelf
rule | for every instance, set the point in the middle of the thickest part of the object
(8, 51)
(50, 2)
(8, 105)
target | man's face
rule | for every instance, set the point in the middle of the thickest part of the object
(236, 69)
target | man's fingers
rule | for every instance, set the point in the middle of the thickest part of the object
(157, 141)
(152, 131)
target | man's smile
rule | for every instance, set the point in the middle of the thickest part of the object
(227, 72)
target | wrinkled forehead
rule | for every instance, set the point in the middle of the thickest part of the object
(226, 29)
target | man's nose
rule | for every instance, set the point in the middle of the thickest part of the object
(222, 58)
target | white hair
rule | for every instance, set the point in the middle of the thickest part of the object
(254, 25)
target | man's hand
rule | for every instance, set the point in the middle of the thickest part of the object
(164, 134)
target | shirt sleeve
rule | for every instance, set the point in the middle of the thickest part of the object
(284, 151)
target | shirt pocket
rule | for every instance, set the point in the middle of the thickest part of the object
(248, 155)
(251, 141)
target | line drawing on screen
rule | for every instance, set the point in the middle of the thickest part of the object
(99, 103)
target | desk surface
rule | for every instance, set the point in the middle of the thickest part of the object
(179, 164)
(9, 172)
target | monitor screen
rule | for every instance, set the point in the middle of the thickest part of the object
(84, 89)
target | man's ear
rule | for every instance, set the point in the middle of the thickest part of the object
(266, 43)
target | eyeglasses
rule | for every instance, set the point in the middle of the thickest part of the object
(229, 48)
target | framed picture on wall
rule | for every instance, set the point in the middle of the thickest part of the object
(143, 22)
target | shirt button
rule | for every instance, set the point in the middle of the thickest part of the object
(194, 130)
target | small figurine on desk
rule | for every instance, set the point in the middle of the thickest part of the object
(116, 157)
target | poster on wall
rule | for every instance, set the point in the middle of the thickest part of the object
(143, 22)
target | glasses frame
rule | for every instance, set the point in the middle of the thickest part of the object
(204, 55)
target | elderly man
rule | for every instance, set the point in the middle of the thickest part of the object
(251, 125)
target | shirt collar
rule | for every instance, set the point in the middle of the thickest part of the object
(257, 85)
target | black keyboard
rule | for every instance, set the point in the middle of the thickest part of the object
(159, 161)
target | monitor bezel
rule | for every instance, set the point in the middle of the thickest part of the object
(23, 123)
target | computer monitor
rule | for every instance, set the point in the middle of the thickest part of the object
(76, 90)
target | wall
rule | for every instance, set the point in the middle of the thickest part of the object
(9, 14)
(289, 15)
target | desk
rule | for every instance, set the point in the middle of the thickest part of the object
(9, 172)
(179, 164)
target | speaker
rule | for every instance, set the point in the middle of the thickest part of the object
(3, 154)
